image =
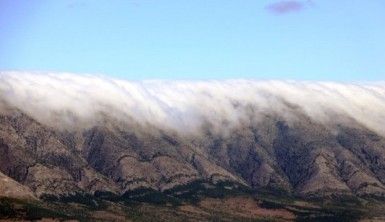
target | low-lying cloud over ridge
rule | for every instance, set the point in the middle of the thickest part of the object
(68, 99)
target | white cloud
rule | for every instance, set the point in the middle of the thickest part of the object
(68, 99)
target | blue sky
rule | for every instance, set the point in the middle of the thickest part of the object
(340, 40)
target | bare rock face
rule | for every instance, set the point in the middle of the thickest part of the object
(324, 176)
(50, 181)
(12, 189)
(301, 158)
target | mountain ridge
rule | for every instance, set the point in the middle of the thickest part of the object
(55, 149)
(301, 159)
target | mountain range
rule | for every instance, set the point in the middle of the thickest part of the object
(66, 138)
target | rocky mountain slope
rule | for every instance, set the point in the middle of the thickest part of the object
(303, 158)
(11, 189)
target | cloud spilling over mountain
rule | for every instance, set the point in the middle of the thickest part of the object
(65, 135)
(67, 100)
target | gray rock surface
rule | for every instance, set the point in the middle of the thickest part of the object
(12, 189)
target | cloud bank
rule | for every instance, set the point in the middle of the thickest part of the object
(67, 99)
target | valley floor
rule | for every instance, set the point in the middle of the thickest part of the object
(230, 208)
